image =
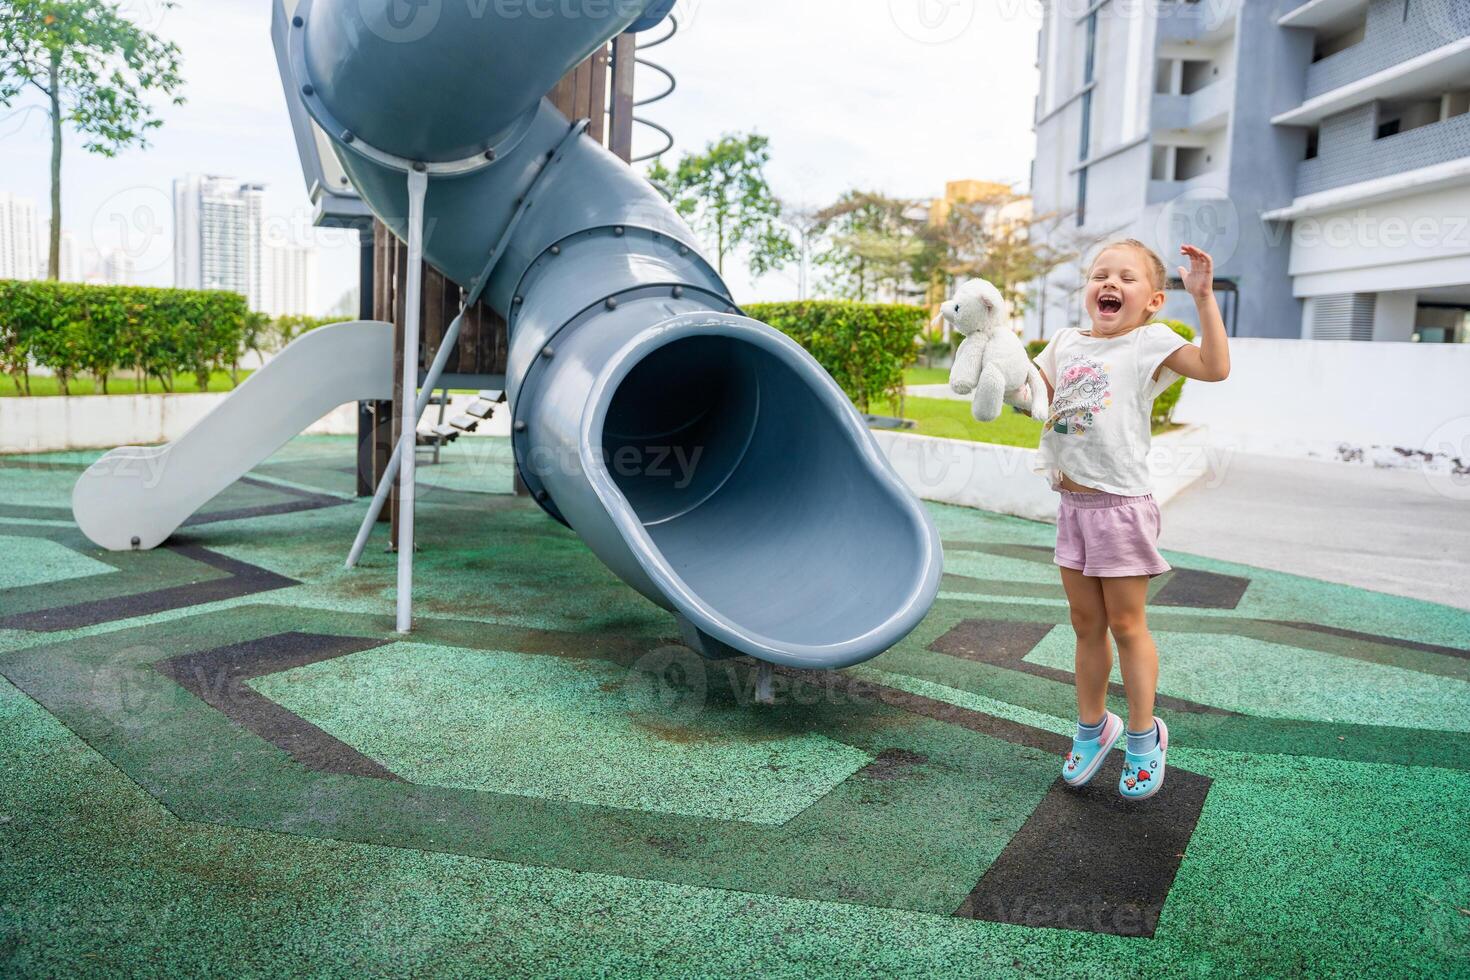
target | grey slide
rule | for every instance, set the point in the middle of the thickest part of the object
(704, 457)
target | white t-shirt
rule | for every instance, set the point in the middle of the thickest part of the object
(1098, 432)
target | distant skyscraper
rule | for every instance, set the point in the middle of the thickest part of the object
(20, 239)
(291, 280)
(217, 236)
(117, 268)
(71, 256)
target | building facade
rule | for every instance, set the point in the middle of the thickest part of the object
(1320, 149)
(20, 239)
(291, 280)
(218, 241)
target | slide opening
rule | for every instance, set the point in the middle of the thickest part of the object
(736, 459)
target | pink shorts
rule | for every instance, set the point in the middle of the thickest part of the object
(1103, 535)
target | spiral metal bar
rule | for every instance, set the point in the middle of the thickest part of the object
(673, 86)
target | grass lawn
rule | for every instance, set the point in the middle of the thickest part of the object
(951, 419)
(118, 384)
(925, 376)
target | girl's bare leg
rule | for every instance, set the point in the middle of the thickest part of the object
(1124, 599)
(1094, 654)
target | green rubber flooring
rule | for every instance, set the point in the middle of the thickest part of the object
(218, 758)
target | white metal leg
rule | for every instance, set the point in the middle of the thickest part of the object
(385, 482)
(418, 187)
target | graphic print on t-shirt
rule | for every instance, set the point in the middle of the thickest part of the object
(1082, 393)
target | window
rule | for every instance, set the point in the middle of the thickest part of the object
(1081, 197)
(1403, 116)
(1314, 143)
(1198, 74)
(1441, 323)
(1191, 162)
(1085, 138)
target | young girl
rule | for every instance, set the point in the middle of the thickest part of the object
(1103, 383)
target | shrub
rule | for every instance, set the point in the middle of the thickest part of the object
(71, 328)
(864, 346)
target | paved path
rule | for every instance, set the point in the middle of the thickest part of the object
(1385, 530)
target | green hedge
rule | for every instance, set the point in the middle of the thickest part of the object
(864, 346)
(75, 329)
(1163, 412)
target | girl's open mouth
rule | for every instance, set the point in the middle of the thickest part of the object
(1109, 305)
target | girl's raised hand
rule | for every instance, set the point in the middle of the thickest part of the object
(1199, 278)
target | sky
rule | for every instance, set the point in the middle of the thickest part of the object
(897, 96)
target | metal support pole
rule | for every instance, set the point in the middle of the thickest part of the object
(390, 473)
(418, 187)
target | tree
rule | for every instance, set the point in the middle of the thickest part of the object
(724, 195)
(808, 224)
(998, 238)
(94, 68)
(875, 241)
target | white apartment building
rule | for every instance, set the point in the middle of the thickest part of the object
(291, 280)
(1320, 148)
(218, 236)
(20, 238)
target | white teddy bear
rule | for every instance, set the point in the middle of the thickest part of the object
(991, 364)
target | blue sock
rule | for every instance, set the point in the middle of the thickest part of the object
(1142, 743)
(1086, 733)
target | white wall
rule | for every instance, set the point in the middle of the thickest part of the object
(54, 424)
(1000, 478)
(1289, 395)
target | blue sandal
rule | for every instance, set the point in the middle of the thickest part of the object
(1143, 775)
(1086, 757)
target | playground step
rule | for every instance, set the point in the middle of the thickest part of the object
(464, 423)
(481, 409)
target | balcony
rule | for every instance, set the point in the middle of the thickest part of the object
(1390, 38)
(1322, 14)
(1207, 109)
(1428, 146)
(1349, 82)
(1186, 22)
(1206, 187)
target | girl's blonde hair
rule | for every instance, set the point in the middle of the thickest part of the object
(1158, 275)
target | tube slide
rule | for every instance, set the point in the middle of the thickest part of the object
(136, 496)
(703, 456)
